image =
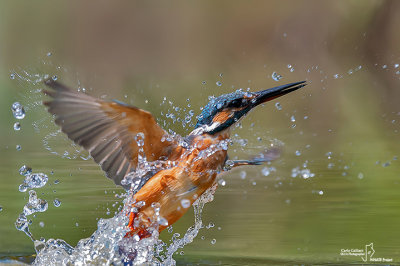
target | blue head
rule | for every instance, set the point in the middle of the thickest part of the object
(223, 111)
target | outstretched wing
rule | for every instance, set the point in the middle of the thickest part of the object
(110, 131)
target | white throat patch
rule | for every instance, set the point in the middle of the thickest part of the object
(205, 129)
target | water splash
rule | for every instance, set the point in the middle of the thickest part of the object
(52, 140)
(34, 204)
(304, 173)
(177, 115)
(108, 246)
(22, 224)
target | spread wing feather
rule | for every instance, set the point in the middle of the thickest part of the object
(108, 130)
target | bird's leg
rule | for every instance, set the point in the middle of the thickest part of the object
(265, 156)
(136, 226)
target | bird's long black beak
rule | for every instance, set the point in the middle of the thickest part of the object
(272, 93)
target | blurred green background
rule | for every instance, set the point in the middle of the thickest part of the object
(142, 51)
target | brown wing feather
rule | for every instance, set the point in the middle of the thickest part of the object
(107, 130)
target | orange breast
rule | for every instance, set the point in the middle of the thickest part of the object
(174, 190)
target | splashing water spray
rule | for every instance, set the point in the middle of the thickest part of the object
(163, 173)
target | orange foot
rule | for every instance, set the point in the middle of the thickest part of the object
(141, 232)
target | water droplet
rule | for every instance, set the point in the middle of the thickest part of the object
(162, 221)
(289, 66)
(182, 253)
(320, 192)
(243, 174)
(298, 153)
(56, 182)
(1, 208)
(278, 106)
(275, 76)
(18, 147)
(25, 170)
(213, 241)
(18, 110)
(41, 224)
(396, 65)
(219, 83)
(49, 54)
(35, 180)
(34, 204)
(360, 175)
(185, 203)
(12, 76)
(170, 229)
(384, 66)
(292, 69)
(203, 82)
(55, 77)
(221, 74)
(139, 138)
(76, 224)
(22, 223)
(304, 173)
(17, 126)
(57, 202)
(265, 171)
(242, 142)
(292, 118)
(222, 182)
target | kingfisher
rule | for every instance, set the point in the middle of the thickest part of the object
(166, 173)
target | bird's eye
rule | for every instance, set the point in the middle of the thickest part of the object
(235, 103)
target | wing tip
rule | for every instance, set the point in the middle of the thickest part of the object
(55, 85)
(50, 82)
(48, 93)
